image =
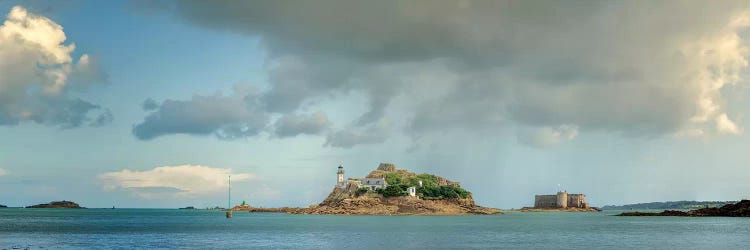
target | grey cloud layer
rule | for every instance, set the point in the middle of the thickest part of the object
(636, 68)
(226, 117)
(293, 125)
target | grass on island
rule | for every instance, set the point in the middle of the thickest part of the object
(430, 190)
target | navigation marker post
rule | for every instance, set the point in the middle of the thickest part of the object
(229, 199)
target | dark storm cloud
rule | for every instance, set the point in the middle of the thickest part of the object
(149, 104)
(638, 68)
(351, 137)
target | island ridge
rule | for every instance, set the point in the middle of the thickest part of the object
(391, 191)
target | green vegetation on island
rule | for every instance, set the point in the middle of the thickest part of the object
(398, 183)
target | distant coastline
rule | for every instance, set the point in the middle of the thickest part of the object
(739, 209)
(674, 205)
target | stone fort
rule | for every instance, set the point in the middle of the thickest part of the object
(561, 200)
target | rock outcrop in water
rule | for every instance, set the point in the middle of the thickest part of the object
(437, 196)
(740, 209)
(290, 210)
(57, 204)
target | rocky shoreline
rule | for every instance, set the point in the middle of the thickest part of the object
(740, 209)
(373, 205)
(289, 210)
(570, 209)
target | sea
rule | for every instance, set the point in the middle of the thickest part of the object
(209, 229)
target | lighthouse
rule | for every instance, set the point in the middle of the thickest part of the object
(340, 175)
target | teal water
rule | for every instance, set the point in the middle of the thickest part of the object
(202, 229)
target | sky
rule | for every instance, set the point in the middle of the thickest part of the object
(154, 104)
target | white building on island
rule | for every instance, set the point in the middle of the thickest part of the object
(374, 183)
(340, 177)
(370, 183)
(412, 191)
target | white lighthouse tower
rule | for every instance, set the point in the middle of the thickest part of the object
(340, 175)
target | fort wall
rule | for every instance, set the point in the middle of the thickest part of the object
(561, 200)
(545, 201)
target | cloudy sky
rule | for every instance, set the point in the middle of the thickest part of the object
(153, 104)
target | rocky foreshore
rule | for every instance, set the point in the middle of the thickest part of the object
(374, 205)
(57, 204)
(740, 209)
(275, 209)
(569, 209)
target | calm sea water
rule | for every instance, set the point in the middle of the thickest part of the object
(201, 229)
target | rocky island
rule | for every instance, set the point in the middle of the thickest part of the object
(57, 204)
(391, 191)
(739, 209)
(560, 202)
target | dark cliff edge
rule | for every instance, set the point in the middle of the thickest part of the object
(57, 204)
(739, 209)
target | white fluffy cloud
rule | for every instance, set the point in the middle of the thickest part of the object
(629, 68)
(39, 74)
(726, 126)
(172, 181)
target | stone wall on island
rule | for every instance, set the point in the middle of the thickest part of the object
(561, 200)
(545, 201)
(389, 167)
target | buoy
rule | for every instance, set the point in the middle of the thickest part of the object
(229, 214)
